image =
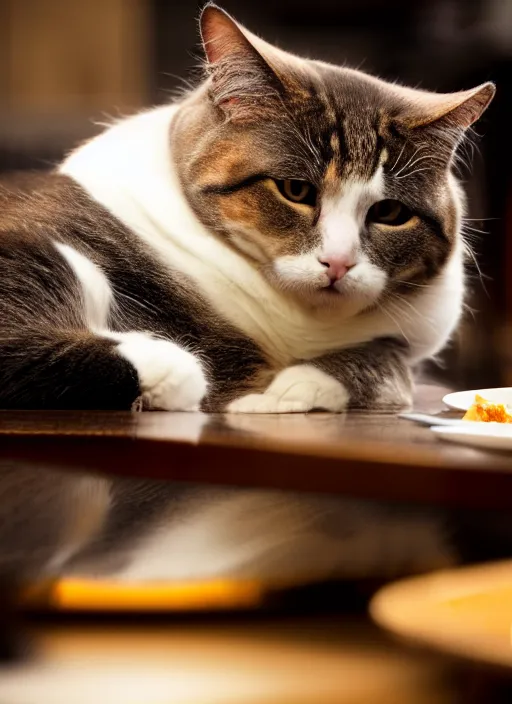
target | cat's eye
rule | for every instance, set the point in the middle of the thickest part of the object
(389, 212)
(297, 191)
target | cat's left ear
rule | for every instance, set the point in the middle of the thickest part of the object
(244, 85)
(455, 111)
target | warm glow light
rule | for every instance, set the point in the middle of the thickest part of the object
(95, 595)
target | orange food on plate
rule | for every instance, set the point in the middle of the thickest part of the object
(487, 412)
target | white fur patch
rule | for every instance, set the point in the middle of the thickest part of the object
(343, 216)
(96, 290)
(298, 389)
(171, 379)
(340, 236)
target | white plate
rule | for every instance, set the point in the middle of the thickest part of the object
(491, 436)
(462, 400)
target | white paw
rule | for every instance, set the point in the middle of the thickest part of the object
(296, 390)
(171, 379)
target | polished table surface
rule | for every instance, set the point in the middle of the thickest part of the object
(340, 657)
(335, 660)
(368, 455)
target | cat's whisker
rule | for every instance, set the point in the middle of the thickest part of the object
(469, 228)
(468, 250)
(393, 305)
(384, 310)
(418, 151)
(471, 239)
(185, 81)
(400, 300)
(412, 284)
(306, 139)
(473, 235)
(469, 309)
(467, 224)
(472, 232)
(412, 173)
(398, 158)
(431, 157)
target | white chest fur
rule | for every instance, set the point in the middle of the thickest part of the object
(129, 170)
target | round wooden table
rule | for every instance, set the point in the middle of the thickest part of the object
(367, 455)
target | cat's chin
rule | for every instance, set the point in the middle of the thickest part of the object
(349, 304)
(331, 296)
(347, 301)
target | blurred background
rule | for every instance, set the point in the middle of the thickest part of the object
(69, 65)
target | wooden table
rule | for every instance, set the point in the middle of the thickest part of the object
(265, 659)
(366, 455)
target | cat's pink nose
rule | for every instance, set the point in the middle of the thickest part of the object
(337, 266)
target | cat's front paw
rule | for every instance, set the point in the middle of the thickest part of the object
(297, 389)
(170, 378)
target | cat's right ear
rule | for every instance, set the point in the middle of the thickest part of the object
(243, 83)
(456, 110)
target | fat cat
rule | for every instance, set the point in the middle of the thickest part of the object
(283, 238)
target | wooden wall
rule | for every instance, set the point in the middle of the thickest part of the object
(74, 56)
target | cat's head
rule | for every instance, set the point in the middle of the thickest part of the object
(336, 185)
